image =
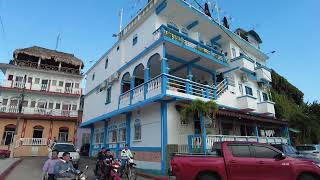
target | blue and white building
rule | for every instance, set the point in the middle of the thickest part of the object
(168, 55)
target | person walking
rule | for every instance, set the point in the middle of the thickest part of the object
(48, 167)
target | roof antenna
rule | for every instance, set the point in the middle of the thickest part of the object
(58, 40)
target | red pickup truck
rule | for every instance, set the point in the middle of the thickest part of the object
(241, 161)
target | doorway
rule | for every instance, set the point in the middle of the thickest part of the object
(37, 132)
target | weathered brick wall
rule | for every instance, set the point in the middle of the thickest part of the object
(147, 156)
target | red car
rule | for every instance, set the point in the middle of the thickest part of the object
(242, 161)
(4, 153)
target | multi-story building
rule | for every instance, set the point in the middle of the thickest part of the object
(47, 84)
(170, 54)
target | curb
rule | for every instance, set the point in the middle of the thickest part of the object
(9, 169)
(151, 176)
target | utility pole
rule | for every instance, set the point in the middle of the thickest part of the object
(20, 106)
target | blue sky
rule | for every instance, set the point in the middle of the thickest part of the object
(290, 27)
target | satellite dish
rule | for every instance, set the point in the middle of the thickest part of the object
(225, 22)
(206, 10)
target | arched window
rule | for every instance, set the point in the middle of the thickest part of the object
(37, 131)
(63, 134)
(122, 132)
(137, 130)
(8, 133)
(112, 134)
(125, 82)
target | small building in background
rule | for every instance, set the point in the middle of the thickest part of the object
(47, 84)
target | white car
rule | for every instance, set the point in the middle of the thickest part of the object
(66, 147)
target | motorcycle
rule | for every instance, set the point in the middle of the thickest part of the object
(113, 168)
(129, 168)
(78, 175)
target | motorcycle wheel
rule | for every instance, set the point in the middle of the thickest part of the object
(131, 173)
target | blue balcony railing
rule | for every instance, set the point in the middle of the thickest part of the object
(165, 84)
(164, 31)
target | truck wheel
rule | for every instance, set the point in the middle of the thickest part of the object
(307, 177)
(207, 176)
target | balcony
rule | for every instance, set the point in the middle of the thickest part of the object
(31, 142)
(243, 62)
(266, 107)
(165, 84)
(188, 44)
(39, 111)
(195, 141)
(263, 74)
(39, 87)
(247, 102)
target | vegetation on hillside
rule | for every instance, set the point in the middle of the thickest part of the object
(290, 106)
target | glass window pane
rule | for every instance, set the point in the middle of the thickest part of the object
(37, 80)
(240, 150)
(61, 83)
(54, 82)
(33, 104)
(58, 105)
(249, 91)
(264, 152)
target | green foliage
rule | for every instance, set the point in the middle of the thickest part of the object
(290, 106)
(197, 106)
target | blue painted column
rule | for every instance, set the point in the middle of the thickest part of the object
(132, 84)
(146, 77)
(203, 133)
(91, 141)
(105, 139)
(164, 70)
(164, 136)
(189, 78)
(128, 128)
(257, 132)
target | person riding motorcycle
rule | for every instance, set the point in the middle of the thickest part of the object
(64, 168)
(125, 155)
(103, 165)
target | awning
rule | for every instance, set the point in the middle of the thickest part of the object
(294, 130)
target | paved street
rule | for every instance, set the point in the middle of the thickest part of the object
(30, 169)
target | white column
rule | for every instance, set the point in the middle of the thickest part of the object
(39, 62)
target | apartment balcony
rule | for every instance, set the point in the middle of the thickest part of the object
(263, 74)
(8, 84)
(169, 85)
(185, 47)
(247, 102)
(39, 111)
(243, 62)
(266, 107)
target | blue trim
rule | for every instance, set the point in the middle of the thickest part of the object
(171, 57)
(105, 138)
(164, 136)
(128, 128)
(215, 39)
(204, 134)
(146, 76)
(288, 135)
(161, 7)
(263, 67)
(132, 82)
(185, 65)
(193, 24)
(250, 73)
(91, 141)
(149, 149)
(120, 111)
(257, 132)
(230, 70)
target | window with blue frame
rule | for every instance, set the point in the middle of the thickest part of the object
(137, 130)
(184, 31)
(249, 91)
(173, 26)
(122, 132)
(93, 76)
(265, 96)
(134, 40)
(108, 98)
(98, 135)
(106, 63)
(112, 134)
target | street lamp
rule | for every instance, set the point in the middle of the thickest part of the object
(20, 105)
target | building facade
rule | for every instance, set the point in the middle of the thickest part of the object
(170, 54)
(46, 84)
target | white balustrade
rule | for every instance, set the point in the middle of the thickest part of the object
(31, 142)
(138, 94)
(39, 111)
(154, 87)
(124, 99)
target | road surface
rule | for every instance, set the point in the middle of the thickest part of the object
(30, 169)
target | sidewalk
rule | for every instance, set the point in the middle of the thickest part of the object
(6, 165)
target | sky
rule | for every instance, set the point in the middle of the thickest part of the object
(290, 27)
